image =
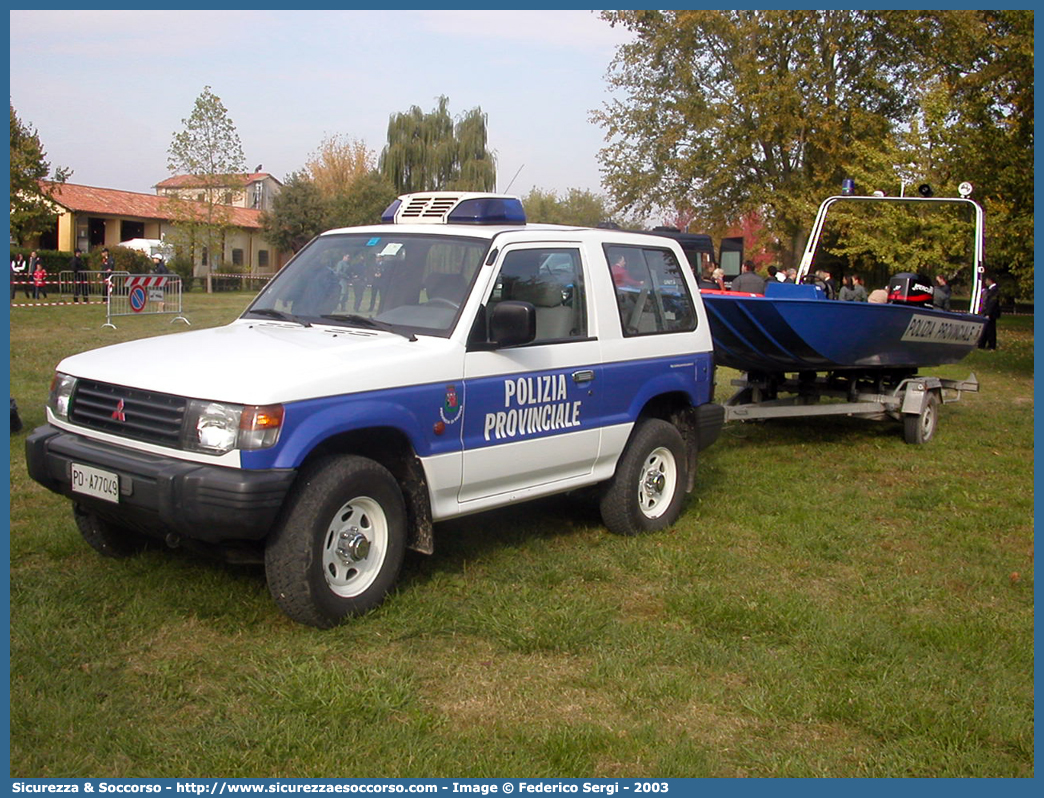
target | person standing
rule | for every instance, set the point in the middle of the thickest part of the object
(19, 275)
(106, 270)
(377, 279)
(991, 310)
(706, 277)
(847, 292)
(749, 281)
(718, 277)
(39, 278)
(79, 268)
(859, 288)
(941, 293)
(829, 286)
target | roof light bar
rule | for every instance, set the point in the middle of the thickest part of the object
(447, 207)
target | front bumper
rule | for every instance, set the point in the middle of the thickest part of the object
(162, 495)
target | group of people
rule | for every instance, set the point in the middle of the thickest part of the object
(28, 275)
(357, 272)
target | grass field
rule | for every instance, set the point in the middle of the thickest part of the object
(834, 602)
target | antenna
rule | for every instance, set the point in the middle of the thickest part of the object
(505, 191)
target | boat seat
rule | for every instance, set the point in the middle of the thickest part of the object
(794, 290)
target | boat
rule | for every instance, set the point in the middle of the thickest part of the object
(795, 328)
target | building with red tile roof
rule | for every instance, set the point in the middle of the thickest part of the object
(255, 190)
(90, 217)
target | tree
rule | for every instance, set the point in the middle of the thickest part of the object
(983, 65)
(208, 149)
(336, 164)
(578, 207)
(429, 152)
(31, 210)
(363, 202)
(727, 112)
(298, 214)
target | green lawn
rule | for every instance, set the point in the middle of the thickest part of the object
(834, 602)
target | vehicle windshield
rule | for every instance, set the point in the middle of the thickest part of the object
(408, 283)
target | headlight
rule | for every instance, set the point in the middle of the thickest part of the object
(62, 387)
(217, 427)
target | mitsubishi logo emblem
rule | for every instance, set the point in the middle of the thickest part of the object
(118, 412)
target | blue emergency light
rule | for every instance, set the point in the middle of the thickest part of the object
(388, 217)
(488, 210)
(450, 209)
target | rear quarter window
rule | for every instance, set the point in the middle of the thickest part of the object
(651, 293)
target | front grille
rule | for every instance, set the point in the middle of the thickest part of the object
(128, 412)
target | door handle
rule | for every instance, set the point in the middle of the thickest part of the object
(585, 375)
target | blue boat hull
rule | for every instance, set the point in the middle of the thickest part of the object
(778, 334)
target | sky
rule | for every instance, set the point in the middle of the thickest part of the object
(107, 90)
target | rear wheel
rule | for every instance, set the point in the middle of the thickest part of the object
(339, 547)
(648, 490)
(921, 428)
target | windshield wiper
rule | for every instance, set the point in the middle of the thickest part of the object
(365, 321)
(279, 314)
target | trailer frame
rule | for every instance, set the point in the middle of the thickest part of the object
(877, 395)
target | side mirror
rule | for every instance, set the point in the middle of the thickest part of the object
(512, 323)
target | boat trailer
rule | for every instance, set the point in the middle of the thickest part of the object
(874, 395)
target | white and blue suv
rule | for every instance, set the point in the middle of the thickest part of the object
(449, 360)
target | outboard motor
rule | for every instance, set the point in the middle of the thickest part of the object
(907, 288)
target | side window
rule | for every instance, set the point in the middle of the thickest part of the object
(651, 292)
(552, 280)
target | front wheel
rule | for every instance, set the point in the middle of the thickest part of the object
(339, 547)
(647, 491)
(105, 537)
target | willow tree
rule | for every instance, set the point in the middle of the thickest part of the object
(724, 112)
(208, 152)
(431, 152)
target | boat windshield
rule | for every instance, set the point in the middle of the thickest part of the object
(406, 283)
(878, 237)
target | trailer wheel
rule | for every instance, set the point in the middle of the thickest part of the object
(921, 428)
(339, 547)
(107, 538)
(647, 491)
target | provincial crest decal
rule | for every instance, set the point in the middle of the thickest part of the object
(450, 411)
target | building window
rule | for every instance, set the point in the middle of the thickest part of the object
(129, 230)
(203, 257)
(237, 257)
(262, 258)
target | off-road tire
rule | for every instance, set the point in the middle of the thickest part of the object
(339, 545)
(107, 538)
(647, 492)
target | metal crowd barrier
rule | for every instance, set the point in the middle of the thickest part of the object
(142, 295)
(88, 285)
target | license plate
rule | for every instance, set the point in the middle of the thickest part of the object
(95, 482)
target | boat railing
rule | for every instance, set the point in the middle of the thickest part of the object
(978, 260)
